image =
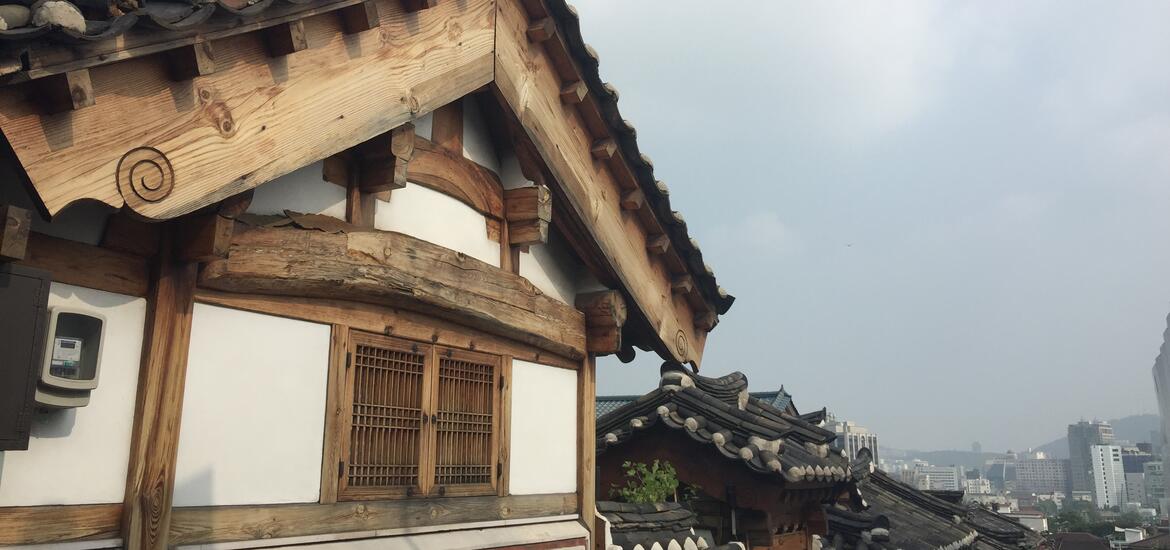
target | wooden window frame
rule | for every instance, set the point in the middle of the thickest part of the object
(338, 489)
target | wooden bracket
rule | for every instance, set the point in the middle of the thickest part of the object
(574, 92)
(360, 17)
(542, 29)
(204, 237)
(285, 38)
(14, 239)
(447, 127)
(604, 149)
(130, 234)
(706, 320)
(190, 61)
(65, 92)
(633, 200)
(605, 313)
(682, 284)
(385, 160)
(528, 211)
(658, 244)
(417, 5)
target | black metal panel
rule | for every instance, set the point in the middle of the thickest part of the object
(24, 301)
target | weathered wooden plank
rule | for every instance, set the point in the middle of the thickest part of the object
(55, 524)
(447, 127)
(15, 223)
(203, 237)
(334, 409)
(89, 266)
(400, 271)
(528, 211)
(385, 320)
(150, 478)
(253, 119)
(529, 84)
(241, 523)
(587, 444)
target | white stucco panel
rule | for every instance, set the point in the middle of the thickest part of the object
(437, 218)
(543, 456)
(303, 191)
(79, 456)
(477, 141)
(555, 271)
(253, 410)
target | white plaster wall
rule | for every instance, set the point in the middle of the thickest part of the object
(511, 176)
(79, 456)
(303, 191)
(543, 457)
(477, 141)
(423, 125)
(83, 221)
(434, 217)
(555, 271)
(253, 410)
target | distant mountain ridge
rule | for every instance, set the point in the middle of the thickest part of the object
(1135, 429)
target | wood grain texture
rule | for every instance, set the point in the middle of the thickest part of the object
(586, 444)
(334, 413)
(529, 83)
(386, 320)
(399, 271)
(240, 523)
(54, 524)
(255, 118)
(454, 175)
(89, 266)
(605, 313)
(503, 486)
(150, 479)
(447, 127)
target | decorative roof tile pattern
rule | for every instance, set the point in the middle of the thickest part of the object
(719, 412)
(631, 525)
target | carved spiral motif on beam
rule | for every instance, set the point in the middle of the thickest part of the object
(680, 344)
(146, 174)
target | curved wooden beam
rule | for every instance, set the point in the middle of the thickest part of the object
(452, 174)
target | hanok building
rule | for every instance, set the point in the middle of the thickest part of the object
(761, 474)
(320, 272)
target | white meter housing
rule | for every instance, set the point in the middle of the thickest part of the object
(73, 354)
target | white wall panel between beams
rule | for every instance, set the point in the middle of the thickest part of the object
(303, 191)
(543, 456)
(555, 271)
(79, 456)
(437, 218)
(253, 410)
(477, 141)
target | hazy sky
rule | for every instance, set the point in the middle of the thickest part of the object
(949, 222)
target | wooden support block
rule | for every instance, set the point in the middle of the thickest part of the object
(447, 127)
(417, 5)
(633, 200)
(706, 320)
(14, 238)
(127, 233)
(190, 61)
(203, 237)
(682, 284)
(359, 206)
(235, 205)
(604, 149)
(574, 92)
(605, 313)
(658, 244)
(335, 169)
(528, 211)
(542, 29)
(385, 160)
(65, 92)
(359, 17)
(286, 38)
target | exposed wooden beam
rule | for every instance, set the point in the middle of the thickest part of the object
(359, 206)
(235, 205)
(447, 127)
(542, 29)
(27, 525)
(286, 38)
(67, 91)
(657, 244)
(386, 159)
(528, 211)
(203, 237)
(574, 92)
(150, 479)
(89, 266)
(190, 61)
(359, 17)
(603, 149)
(127, 233)
(633, 200)
(605, 314)
(682, 284)
(14, 234)
(398, 271)
(453, 174)
(205, 525)
(418, 5)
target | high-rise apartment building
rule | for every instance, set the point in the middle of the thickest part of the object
(1162, 385)
(852, 438)
(1042, 475)
(1082, 436)
(938, 478)
(1108, 476)
(1155, 483)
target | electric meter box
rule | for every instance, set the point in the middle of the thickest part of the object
(73, 356)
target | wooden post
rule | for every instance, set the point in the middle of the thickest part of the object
(150, 477)
(586, 445)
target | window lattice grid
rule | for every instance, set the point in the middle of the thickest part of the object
(387, 417)
(465, 419)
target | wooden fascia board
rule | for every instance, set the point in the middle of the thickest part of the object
(529, 85)
(255, 118)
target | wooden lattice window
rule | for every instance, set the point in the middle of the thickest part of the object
(424, 420)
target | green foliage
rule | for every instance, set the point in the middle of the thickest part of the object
(646, 483)
(1048, 508)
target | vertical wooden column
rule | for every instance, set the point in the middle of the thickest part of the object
(586, 446)
(150, 479)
